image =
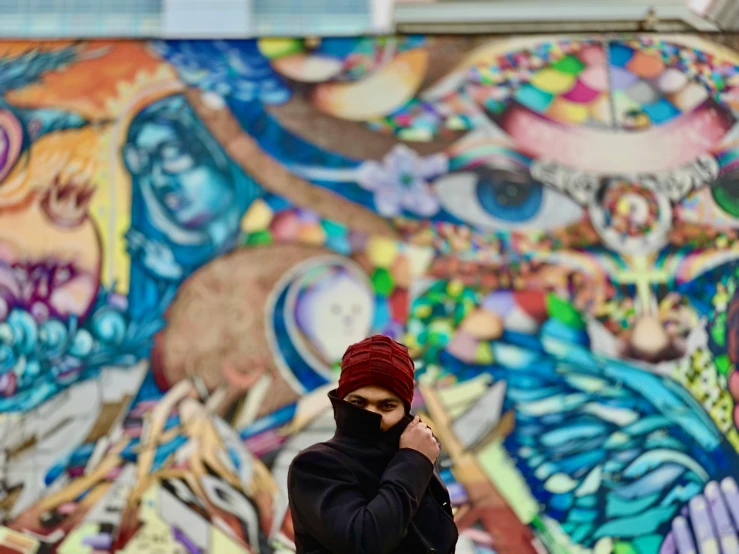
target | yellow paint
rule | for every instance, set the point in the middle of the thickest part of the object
(384, 91)
(74, 544)
(155, 535)
(419, 258)
(642, 274)
(276, 47)
(311, 234)
(455, 288)
(381, 251)
(459, 398)
(501, 470)
(733, 438)
(115, 200)
(110, 209)
(17, 540)
(223, 544)
(553, 81)
(257, 217)
(568, 112)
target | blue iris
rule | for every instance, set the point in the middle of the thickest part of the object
(509, 196)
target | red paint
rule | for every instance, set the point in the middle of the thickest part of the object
(534, 303)
(399, 306)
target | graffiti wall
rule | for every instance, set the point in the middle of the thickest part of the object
(191, 233)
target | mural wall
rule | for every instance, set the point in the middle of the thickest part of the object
(191, 233)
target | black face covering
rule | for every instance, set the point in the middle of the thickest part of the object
(353, 422)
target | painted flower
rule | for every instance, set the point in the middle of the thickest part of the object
(401, 182)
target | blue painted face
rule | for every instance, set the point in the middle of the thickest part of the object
(187, 180)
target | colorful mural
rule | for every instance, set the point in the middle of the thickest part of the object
(191, 233)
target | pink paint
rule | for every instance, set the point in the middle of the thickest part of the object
(463, 347)
(143, 407)
(593, 55)
(264, 443)
(285, 226)
(113, 474)
(418, 401)
(734, 384)
(581, 94)
(480, 537)
(67, 508)
(134, 431)
(603, 151)
(595, 77)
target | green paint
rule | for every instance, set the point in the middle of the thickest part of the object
(723, 364)
(564, 311)
(483, 353)
(569, 65)
(258, 238)
(382, 281)
(718, 330)
(624, 548)
(726, 198)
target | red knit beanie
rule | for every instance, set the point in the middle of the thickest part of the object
(378, 362)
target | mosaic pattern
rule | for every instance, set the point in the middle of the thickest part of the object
(191, 233)
(628, 84)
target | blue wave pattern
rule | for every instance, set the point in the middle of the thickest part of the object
(38, 360)
(607, 448)
(234, 69)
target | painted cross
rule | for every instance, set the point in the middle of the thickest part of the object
(642, 274)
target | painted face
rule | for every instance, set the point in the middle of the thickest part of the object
(335, 313)
(181, 172)
(379, 401)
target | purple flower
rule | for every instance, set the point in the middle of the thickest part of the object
(401, 181)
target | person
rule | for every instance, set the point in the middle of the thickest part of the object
(374, 488)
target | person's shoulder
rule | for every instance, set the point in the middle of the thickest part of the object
(317, 452)
(320, 458)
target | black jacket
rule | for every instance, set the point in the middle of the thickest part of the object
(360, 494)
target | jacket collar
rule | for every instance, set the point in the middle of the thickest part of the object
(354, 423)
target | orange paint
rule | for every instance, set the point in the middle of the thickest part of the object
(646, 66)
(87, 85)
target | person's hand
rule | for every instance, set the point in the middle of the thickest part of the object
(418, 436)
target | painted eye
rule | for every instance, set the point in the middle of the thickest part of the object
(502, 199)
(725, 193)
(178, 164)
(716, 206)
